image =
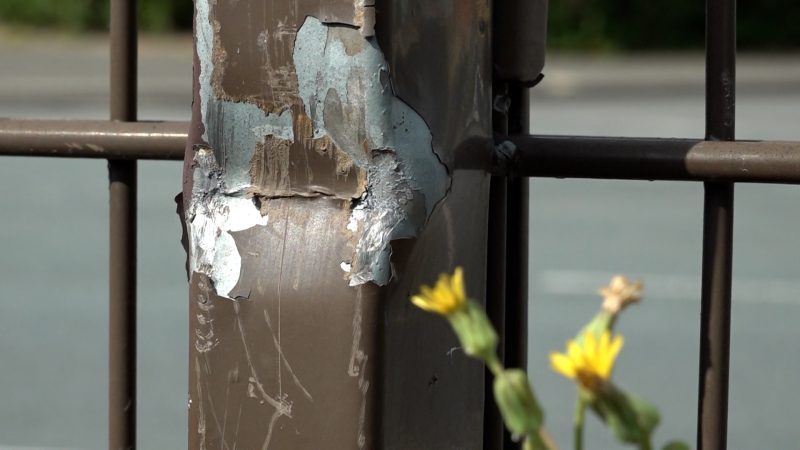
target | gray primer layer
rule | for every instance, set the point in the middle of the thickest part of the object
(349, 98)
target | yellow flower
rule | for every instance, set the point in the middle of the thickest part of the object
(590, 363)
(446, 297)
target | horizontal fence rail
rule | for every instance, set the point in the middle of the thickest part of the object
(534, 155)
(652, 159)
(93, 139)
(719, 162)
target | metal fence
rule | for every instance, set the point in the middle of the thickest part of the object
(719, 161)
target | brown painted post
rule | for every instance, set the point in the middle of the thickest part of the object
(336, 161)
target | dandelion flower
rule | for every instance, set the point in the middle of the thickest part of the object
(590, 363)
(446, 297)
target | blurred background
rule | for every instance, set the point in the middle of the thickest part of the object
(614, 67)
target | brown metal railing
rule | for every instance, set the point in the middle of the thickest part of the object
(717, 161)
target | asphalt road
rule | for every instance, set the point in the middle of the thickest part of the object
(54, 231)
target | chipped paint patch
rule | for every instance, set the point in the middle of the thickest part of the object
(204, 46)
(343, 80)
(222, 181)
(347, 100)
(232, 129)
(213, 215)
(237, 129)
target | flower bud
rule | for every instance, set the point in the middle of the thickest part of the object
(519, 408)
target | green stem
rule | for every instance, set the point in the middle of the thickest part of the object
(645, 445)
(580, 410)
(494, 365)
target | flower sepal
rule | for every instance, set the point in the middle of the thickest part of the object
(474, 331)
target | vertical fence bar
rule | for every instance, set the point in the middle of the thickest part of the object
(497, 257)
(507, 277)
(122, 226)
(517, 240)
(517, 229)
(712, 415)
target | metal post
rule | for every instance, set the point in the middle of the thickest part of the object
(122, 227)
(321, 190)
(715, 324)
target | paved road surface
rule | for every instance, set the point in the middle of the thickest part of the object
(53, 260)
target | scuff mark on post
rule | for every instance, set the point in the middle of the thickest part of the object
(343, 81)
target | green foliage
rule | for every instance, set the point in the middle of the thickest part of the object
(666, 24)
(80, 15)
(573, 24)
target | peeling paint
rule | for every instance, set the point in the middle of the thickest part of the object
(232, 129)
(213, 215)
(365, 17)
(348, 104)
(240, 127)
(343, 80)
(219, 205)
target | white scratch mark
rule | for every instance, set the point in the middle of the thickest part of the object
(214, 415)
(280, 406)
(357, 367)
(238, 422)
(272, 421)
(280, 284)
(225, 415)
(285, 361)
(357, 355)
